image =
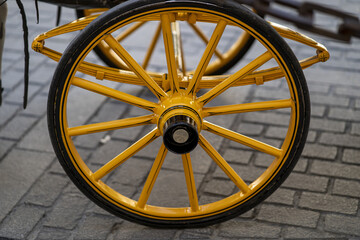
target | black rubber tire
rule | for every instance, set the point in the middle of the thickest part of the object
(128, 9)
(241, 53)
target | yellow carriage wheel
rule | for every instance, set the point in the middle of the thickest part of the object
(223, 60)
(186, 128)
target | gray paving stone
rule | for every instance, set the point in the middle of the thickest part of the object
(282, 196)
(46, 190)
(237, 156)
(36, 106)
(335, 169)
(329, 203)
(26, 217)
(357, 103)
(335, 101)
(355, 128)
(67, 211)
(18, 171)
(17, 127)
(53, 233)
(342, 140)
(247, 173)
(346, 188)
(344, 114)
(269, 118)
(347, 91)
(248, 229)
(306, 182)
(220, 187)
(318, 111)
(351, 156)
(327, 125)
(306, 233)
(7, 111)
(5, 147)
(40, 133)
(132, 231)
(319, 151)
(288, 215)
(95, 227)
(301, 165)
(250, 129)
(343, 224)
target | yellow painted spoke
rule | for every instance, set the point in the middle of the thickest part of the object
(221, 87)
(220, 161)
(154, 172)
(205, 59)
(125, 155)
(111, 125)
(135, 67)
(129, 31)
(203, 37)
(190, 182)
(152, 46)
(247, 141)
(170, 52)
(248, 107)
(118, 95)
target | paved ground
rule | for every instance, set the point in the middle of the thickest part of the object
(320, 199)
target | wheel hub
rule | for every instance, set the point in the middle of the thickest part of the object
(180, 134)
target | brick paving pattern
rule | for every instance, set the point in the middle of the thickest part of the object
(320, 199)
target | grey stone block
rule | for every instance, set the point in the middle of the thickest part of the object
(344, 114)
(335, 169)
(355, 128)
(319, 151)
(306, 233)
(21, 222)
(351, 156)
(248, 229)
(306, 182)
(18, 171)
(343, 224)
(329, 203)
(288, 215)
(346, 188)
(220, 187)
(327, 125)
(17, 127)
(282, 196)
(342, 140)
(46, 190)
(67, 211)
(95, 227)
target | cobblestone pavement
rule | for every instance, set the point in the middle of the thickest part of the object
(320, 199)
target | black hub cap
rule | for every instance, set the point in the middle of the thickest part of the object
(180, 134)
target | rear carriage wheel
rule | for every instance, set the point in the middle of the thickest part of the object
(181, 117)
(224, 59)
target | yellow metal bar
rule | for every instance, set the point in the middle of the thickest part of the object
(125, 155)
(179, 55)
(153, 174)
(111, 125)
(170, 52)
(220, 161)
(115, 94)
(259, 61)
(190, 182)
(205, 39)
(237, 137)
(247, 107)
(129, 31)
(134, 66)
(205, 59)
(151, 48)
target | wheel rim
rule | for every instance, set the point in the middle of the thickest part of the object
(183, 99)
(218, 65)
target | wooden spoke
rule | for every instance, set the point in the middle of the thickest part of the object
(125, 155)
(247, 141)
(205, 59)
(115, 94)
(111, 125)
(220, 161)
(170, 52)
(248, 107)
(135, 67)
(220, 88)
(151, 48)
(190, 182)
(150, 181)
